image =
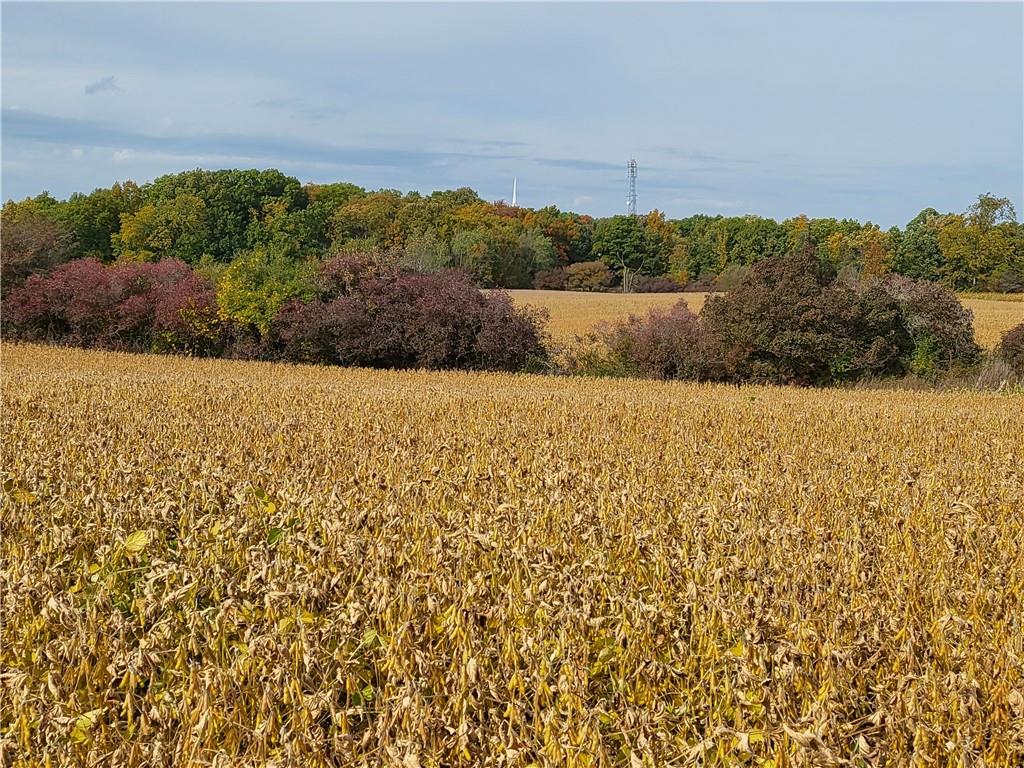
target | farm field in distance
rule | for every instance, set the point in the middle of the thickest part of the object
(216, 562)
(575, 313)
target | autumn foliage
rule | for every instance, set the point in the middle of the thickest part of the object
(389, 318)
(360, 313)
(792, 321)
(162, 306)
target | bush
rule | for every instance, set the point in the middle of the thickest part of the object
(137, 307)
(705, 282)
(648, 284)
(1011, 349)
(941, 328)
(588, 276)
(550, 279)
(389, 318)
(732, 277)
(256, 284)
(1007, 279)
(792, 323)
(663, 345)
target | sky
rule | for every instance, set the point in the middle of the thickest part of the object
(870, 111)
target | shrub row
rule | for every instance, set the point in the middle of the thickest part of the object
(788, 322)
(360, 314)
(791, 322)
(595, 276)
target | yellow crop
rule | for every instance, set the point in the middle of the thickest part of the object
(574, 314)
(223, 563)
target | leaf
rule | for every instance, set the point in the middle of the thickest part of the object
(370, 638)
(274, 536)
(24, 497)
(85, 723)
(137, 542)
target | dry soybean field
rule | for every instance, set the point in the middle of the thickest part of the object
(576, 313)
(221, 563)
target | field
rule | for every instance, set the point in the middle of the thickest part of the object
(576, 313)
(224, 563)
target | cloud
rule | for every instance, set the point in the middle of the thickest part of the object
(103, 84)
(580, 165)
(77, 152)
(54, 129)
(122, 155)
(310, 110)
(706, 202)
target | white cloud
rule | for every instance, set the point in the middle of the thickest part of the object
(123, 155)
(77, 152)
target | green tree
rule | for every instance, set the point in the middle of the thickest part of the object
(979, 244)
(332, 196)
(918, 254)
(302, 232)
(425, 252)
(372, 219)
(232, 199)
(164, 229)
(473, 251)
(95, 218)
(621, 244)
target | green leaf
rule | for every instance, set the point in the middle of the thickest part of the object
(370, 638)
(274, 536)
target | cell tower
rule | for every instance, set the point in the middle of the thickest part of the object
(631, 195)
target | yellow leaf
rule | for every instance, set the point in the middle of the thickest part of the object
(85, 723)
(136, 542)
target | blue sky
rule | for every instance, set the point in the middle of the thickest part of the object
(871, 111)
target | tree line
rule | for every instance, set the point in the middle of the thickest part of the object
(258, 235)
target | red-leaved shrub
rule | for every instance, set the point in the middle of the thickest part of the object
(389, 318)
(162, 306)
(664, 344)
